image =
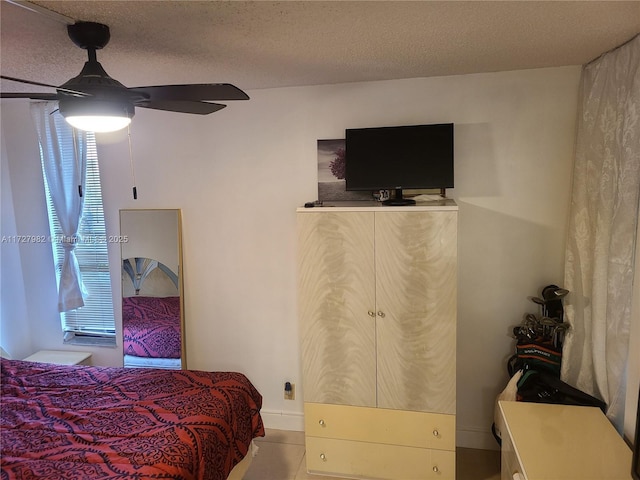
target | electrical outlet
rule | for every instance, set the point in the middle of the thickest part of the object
(289, 391)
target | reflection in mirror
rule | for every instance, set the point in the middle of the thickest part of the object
(152, 306)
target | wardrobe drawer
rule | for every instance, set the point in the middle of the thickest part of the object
(374, 460)
(379, 425)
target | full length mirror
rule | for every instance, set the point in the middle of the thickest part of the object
(152, 292)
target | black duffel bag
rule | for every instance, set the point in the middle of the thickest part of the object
(542, 387)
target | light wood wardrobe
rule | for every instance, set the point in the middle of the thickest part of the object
(377, 308)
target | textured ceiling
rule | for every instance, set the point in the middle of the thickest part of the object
(273, 44)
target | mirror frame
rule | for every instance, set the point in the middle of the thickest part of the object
(180, 272)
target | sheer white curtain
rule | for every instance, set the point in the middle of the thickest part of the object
(599, 269)
(64, 171)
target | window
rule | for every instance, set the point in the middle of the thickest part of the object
(94, 322)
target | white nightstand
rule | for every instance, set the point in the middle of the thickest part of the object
(61, 357)
(567, 442)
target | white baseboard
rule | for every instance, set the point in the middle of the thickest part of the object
(283, 420)
(476, 438)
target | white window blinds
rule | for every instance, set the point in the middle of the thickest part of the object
(94, 322)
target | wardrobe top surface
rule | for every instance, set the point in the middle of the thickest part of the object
(360, 206)
(565, 441)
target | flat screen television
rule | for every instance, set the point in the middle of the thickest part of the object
(398, 158)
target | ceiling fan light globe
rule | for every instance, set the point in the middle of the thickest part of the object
(97, 114)
(98, 123)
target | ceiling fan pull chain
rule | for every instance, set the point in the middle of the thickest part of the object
(133, 173)
(80, 169)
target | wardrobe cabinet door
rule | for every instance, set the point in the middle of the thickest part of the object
(336, 285)
(416, 299)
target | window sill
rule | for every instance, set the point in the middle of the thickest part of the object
(92, 341)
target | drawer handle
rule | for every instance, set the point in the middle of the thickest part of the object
(436, 433)
(321, 423)
(436, 469)
(381, 314)
(323, 457)
(371, 313)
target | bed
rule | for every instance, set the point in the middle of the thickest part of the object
(61, 421)
(151, 315)
(151, 332)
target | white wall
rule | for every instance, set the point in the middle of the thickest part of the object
(239, 174)
(16, 340)
(152, 234)
(28, 277)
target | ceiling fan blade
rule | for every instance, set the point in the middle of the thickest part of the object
(199, 108)
(194, 92)
(33, 96)
(60, 89)
(29, 82)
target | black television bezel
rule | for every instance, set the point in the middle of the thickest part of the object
(419, 183)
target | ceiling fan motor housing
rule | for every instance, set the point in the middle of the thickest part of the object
(93, 76)
(104, 94)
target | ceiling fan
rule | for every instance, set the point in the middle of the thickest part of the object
(93, 93)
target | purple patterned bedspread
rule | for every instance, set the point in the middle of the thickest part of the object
(98, 422)
(151, 327)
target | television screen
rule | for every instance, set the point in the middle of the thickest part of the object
(406, 157)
